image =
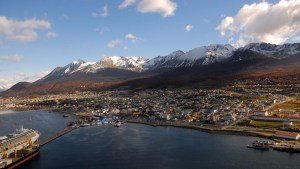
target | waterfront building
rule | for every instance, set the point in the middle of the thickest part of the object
(287, 135)
(261, 113)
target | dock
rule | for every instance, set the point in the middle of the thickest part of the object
(56, 135)
(22, 156)
(295, 148)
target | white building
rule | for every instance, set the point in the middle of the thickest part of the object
(287, 135)
(261, 113)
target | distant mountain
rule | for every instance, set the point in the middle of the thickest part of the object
(271, 50)
(20, 86)
(199, 56)
(210, 64)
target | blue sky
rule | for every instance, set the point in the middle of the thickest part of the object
(36, 36)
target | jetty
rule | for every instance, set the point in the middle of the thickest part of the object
(56, 135)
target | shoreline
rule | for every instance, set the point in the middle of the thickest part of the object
(254, 132)
(207, 129)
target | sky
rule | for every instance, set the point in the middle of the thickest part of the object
(37, 36)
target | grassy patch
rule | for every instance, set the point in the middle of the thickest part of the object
(271, 124)
(296, 124)
(293, 104)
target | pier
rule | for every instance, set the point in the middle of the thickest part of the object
(56, 135)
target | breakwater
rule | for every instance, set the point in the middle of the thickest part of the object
(56, 135)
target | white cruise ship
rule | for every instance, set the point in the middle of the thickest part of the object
(20, 139)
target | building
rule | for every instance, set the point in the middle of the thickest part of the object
(287, 135)
(261, 113)
(287, 123)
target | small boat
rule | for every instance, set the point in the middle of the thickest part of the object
(260, 145)
(85, 125)
(65, 115)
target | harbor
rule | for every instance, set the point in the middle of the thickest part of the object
(111, 147)
(15, 158)
(115, 125)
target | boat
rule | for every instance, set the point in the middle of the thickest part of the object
(260, 145)
(19, 161)
(65, 115)
(118, 124)
(20, 139)
(85, 125)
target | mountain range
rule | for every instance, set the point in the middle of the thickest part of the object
(206, 65)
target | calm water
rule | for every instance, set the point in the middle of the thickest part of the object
(135, 146)
(45, 122)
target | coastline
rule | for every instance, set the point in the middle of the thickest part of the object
(233, 130)
(207, 129)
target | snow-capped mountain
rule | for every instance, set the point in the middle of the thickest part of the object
(278, 51)
(126, 63)
(178, 68)
(72, 67)
(199, 56)
(203, 55)
(168, 61)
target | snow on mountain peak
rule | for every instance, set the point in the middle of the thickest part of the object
(208, 54)
(128, 63)
(273, 50)
(76, 66)
(76, 62)
(204, 55)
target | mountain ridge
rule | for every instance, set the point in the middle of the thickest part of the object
(211, 61)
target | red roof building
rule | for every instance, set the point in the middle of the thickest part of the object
(287, 135)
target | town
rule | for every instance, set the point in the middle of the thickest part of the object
(207, 108)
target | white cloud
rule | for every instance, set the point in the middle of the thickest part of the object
(126, 3)
(51, 35)
(12, 58)
(104, 12)
(125, 47)
(6, 81)
(131, 37)
(263, 22)
(22, 31)
(164, 7)
(113, 43)
(188, 28)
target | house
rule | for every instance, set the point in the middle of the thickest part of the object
(261, 113)
(287, 135)
(287, 123)
(286, 111)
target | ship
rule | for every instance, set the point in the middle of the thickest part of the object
(260, 145)
(21, 139)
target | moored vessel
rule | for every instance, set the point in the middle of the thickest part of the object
(17, 147)
(260, 145)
